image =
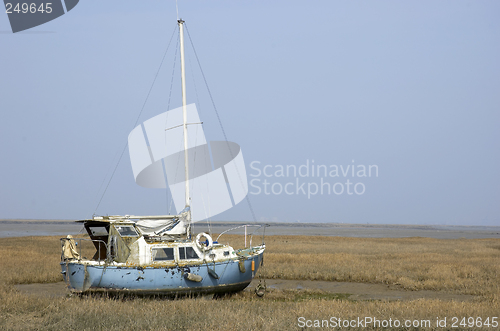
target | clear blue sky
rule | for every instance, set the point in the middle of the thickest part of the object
(412, 87)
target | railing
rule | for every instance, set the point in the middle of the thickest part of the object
(78, 244)
(251, 235)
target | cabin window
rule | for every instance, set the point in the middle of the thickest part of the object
(186, 253)
(126, 231)
(163, 254)
(98, 231)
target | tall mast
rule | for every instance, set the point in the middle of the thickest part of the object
(184, 110)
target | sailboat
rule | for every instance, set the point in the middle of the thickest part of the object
(158, 254)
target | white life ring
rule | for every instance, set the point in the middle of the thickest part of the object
(200, 245)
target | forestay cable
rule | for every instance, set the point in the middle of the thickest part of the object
(136, 121)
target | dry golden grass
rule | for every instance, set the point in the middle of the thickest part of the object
(27, 260)
(457, 266)
(467, 266)
(276, 311)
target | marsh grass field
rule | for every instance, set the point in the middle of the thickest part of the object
(448, 266)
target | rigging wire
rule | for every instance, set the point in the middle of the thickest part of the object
(194, 165)
(177, 9)
(136, 121)
(209, 224)
(169, 205)
(218, 118)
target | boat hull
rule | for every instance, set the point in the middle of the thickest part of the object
(224, 277)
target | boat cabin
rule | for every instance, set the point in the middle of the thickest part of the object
(123, 242)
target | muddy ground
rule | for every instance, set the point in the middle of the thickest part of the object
(355, 291)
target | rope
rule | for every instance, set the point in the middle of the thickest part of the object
(220, 122)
